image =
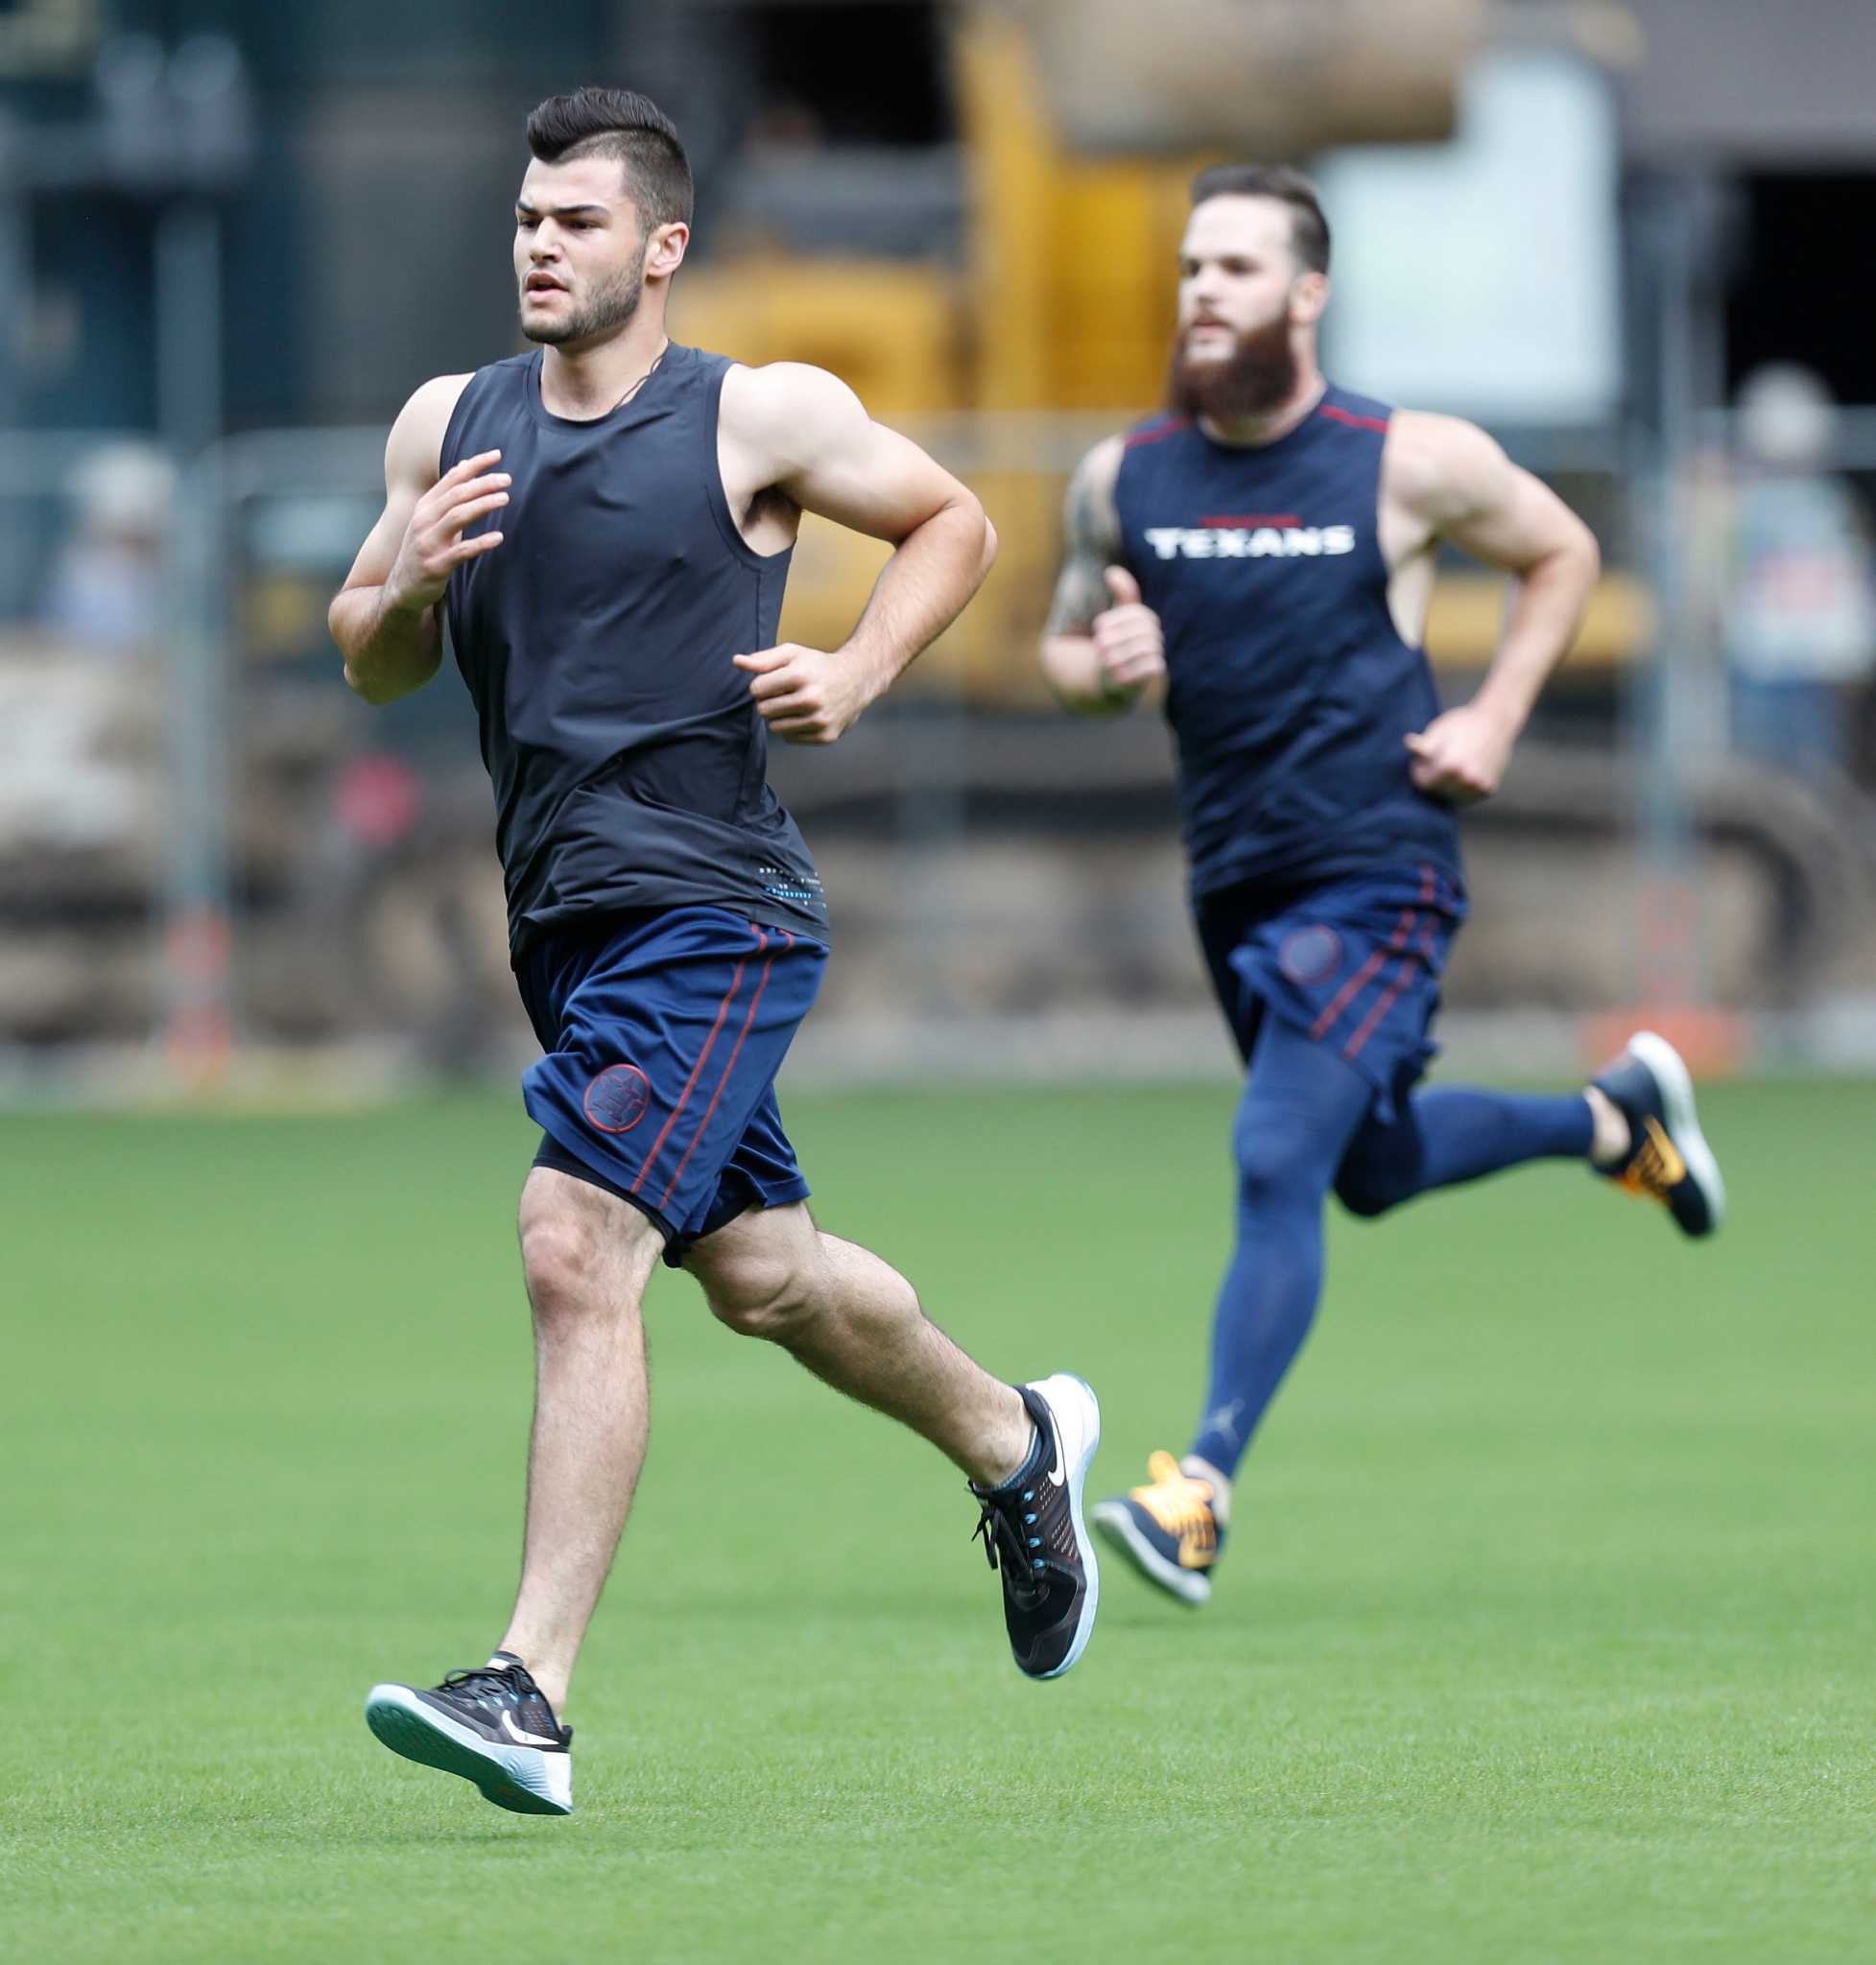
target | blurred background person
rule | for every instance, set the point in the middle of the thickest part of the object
(1798, 620)
(105, 593)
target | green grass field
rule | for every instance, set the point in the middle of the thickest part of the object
(1547, 1631)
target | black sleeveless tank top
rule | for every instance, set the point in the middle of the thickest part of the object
(629, 765)
(1288, 688)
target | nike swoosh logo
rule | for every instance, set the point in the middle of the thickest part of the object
(1056, 1473)
(515, 1734)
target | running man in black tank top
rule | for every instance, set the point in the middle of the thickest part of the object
(607, 522)
(1265, 553)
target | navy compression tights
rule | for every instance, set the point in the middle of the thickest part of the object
(1305, 1129)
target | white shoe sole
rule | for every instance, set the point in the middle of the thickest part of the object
(525, 1780)
(1670, 1072)
(1115, 1521)
(1076, 1412)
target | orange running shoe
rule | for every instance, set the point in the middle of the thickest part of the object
(1167, 1529)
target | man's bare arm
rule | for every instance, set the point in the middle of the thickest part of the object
(384, 618)
(1453, 479)
(815, 444)
(1100, 647)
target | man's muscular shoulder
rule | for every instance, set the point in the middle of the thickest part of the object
(777, 416)
(1091, 539)
(1439, 469)
(416, 438)
(1091, 518)
(1099, 471)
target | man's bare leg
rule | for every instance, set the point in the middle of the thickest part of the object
(587, 1257)
(856, 1323)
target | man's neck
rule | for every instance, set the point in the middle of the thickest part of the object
(1248, 432)
(586, 381)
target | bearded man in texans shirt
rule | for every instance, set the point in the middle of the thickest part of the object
(1267, 550)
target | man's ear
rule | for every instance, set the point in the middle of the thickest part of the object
(1308, 297)
(664, 253)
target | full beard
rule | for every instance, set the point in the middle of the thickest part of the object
(1257, 376)
(607, 308)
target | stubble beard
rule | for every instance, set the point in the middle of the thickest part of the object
(1257, 376)
(608, 307)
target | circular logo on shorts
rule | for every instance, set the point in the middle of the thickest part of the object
(1310, 955)
(615, 1101)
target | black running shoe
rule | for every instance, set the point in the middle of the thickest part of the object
(492, 1726)
(1167, 1529)
(1035, 1537)
(1669, 1159)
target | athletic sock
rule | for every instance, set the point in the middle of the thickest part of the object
(1030, 1465)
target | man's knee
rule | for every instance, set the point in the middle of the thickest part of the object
(759, 1295)
(1372, 1184)
(570, 1244)
(560, 1259)
(1274, 1160)
(1365, 1193)
(760, 1284)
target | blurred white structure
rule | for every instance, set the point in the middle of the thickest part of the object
(1482, 276)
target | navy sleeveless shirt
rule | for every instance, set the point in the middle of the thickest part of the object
(1289, 689)
(629, 765)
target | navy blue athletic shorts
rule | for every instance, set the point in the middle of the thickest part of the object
(1354, 960)
(664, 1029)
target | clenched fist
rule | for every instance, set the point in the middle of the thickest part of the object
(1460, 756)
(433, 543)
(1128, 643)
(806, 696)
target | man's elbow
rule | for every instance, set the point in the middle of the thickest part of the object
(338, 623)
(388, 682)
(973, 523)
(367, 690)
(1588, 553)
(1572, 558)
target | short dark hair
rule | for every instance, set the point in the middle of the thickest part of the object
(619, 123)
(1309, 229)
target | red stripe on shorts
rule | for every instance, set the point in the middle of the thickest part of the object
(696, 1072)
(1364, 976)
(735, 1051)
(1410, 962)
(1352, 989)
(1383, 1004)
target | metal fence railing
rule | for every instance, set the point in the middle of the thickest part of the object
(282, 867)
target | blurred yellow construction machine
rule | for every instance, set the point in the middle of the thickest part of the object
(1083, 123)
